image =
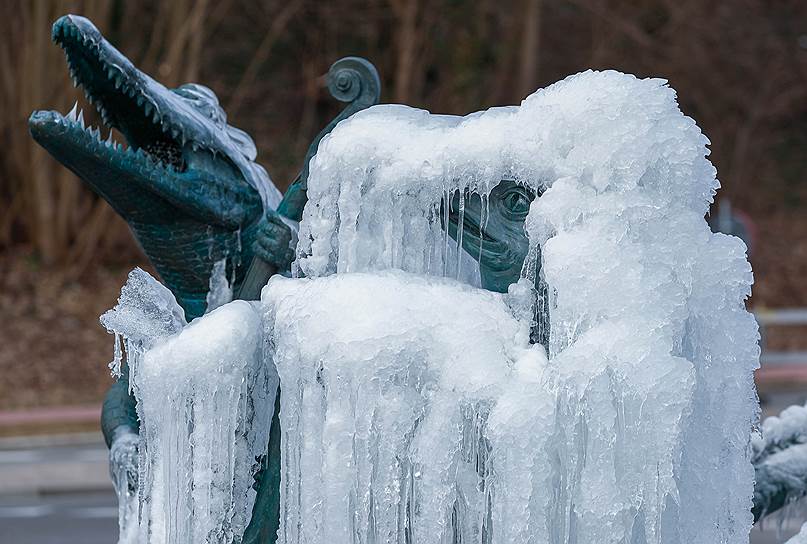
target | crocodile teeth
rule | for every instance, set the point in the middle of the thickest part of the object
(81, 118)
(109, 141)
(118, 82)
(72, 115)
(148, 108)
(155, 117)
(175, 133)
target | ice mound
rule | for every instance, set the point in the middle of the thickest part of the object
(416, 409)
(378, 179)
(780, 460)
(651, 349)
(387, 381)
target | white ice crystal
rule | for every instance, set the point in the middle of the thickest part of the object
(198, 393)
(220, 290)
(146, 311)
(801, 537)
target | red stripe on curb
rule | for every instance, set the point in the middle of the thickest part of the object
(55, 414)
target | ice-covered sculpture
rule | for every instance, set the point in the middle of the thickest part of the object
(651, 349)
(598, 388)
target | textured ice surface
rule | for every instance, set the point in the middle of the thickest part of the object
(780, 432)
(640, 429)
(220, 290)
(146, 311)
(387, 382)
(780, 459)
(197, 393)
(198, 388)
(414, 410)
(800, 538)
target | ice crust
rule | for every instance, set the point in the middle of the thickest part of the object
(779, 454)
(801, 537)
(146, 312)
(780, 432)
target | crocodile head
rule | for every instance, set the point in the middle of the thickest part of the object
(493, 231)
(185, 182)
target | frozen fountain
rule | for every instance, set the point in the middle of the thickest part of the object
(510, 327)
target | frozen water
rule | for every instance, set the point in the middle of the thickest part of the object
(780, 432)
(407, 424)
(197, 392)
(384, 403)
(800, 538)
(647, 402)
(197, 388)
(220, 289)
(780, 459)
(146, 311)
(414, 408)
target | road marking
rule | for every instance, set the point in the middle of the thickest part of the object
(21, 456)
(94, 512)
(35, 511)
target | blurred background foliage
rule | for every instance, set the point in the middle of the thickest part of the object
(739, 67)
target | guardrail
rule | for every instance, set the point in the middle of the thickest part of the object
(781, 318)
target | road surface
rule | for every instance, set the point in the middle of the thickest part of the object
(59, 518)
(60, 493)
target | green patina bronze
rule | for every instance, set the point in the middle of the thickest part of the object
(190, 190)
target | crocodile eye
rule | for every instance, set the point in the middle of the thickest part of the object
(516, 203)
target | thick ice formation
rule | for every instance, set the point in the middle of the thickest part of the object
(198, 393)
(402, 423)
(146, 312)
(387, 381)
(220, 289)
(414, 409)
(651, 348)
(198, 387)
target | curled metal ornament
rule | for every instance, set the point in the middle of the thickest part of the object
(354, 79)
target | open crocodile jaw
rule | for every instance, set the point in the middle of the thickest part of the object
(179, 184)
(161, 129)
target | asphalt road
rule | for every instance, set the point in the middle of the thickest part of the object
(59, 518)
(92, 518)
(61, 494)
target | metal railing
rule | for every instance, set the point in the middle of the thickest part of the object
(781, 318)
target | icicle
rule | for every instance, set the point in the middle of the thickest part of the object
(460, 230)
(220, 289)
(115, 364)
